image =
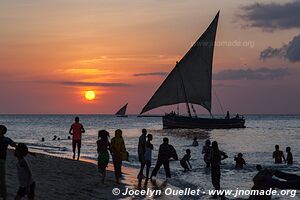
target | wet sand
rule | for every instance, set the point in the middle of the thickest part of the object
(64, 179)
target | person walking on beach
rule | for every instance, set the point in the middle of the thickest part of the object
(215, 161)
(185, 161)
(4, 142)
(278, 155)
(27, 185)
(289, 156)
(76, 131)
(148, 155)
(141, 152)
(165, 152)
(118, 150)
(206, 151)
(103, 149)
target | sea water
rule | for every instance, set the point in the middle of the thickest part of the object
(256, 142)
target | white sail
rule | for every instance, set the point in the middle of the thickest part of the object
(191, 79)
(122, 111)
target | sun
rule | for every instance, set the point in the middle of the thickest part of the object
(90, 95)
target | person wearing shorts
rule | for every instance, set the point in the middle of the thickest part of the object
(76, 131)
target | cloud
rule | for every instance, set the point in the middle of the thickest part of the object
(262, 73)
(272, 16)
(152, 74)
(290, 51)
(97, 84)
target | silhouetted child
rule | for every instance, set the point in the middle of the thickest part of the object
(185, 161)
(289, 156)
(4, 142)
(206, 151)
(239, 161)
(195, 142)
(148, 155)
(27, 185)
(278, 155)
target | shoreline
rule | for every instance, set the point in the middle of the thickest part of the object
(62, 178)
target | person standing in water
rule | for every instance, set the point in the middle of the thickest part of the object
(206, 151)
(195, 142)
(239, 161)
(118, 149)
(148, 156)
(165, 152)
(289, 156)
(103, 149)
(185, 161)
(4, 142)
(215, 161)
(278, 155)
(76, 131)
(141, 152)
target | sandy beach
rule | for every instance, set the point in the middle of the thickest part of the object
(64, 179)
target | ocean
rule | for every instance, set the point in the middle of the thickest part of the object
(256, 142)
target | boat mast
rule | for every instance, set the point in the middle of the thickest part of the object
(194, 110)
(185, 95)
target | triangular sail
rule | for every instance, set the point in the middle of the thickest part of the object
(122, 111)
(191, 79)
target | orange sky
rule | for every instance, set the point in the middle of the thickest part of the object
(51, 50)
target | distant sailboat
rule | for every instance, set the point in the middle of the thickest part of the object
(190, 82)
(122, 111)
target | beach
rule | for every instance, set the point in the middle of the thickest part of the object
(61, 178)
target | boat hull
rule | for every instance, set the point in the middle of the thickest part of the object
(177, 122)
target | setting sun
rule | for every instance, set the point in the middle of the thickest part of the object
(90, 95)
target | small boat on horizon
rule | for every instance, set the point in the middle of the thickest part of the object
(190, 82)
(122, 111)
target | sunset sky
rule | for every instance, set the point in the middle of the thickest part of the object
(51, 52)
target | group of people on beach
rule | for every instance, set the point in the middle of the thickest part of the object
(26, 182)
(115, 147)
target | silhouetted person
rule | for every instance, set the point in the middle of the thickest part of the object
(237, 116)
(239, 161)
(148, 156)
(261, 183)
(289, 156)
(195, 142)
(27, 185)
(165, 152)
(141, 152)
(206, 151)
(215, 161)
(69, 137)
(54, 137)
(4, 142)
(76, 131)
(278, 155)
(43, 139)
(185, 161)
(103, 149)
(227, 115)
(118, 151)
